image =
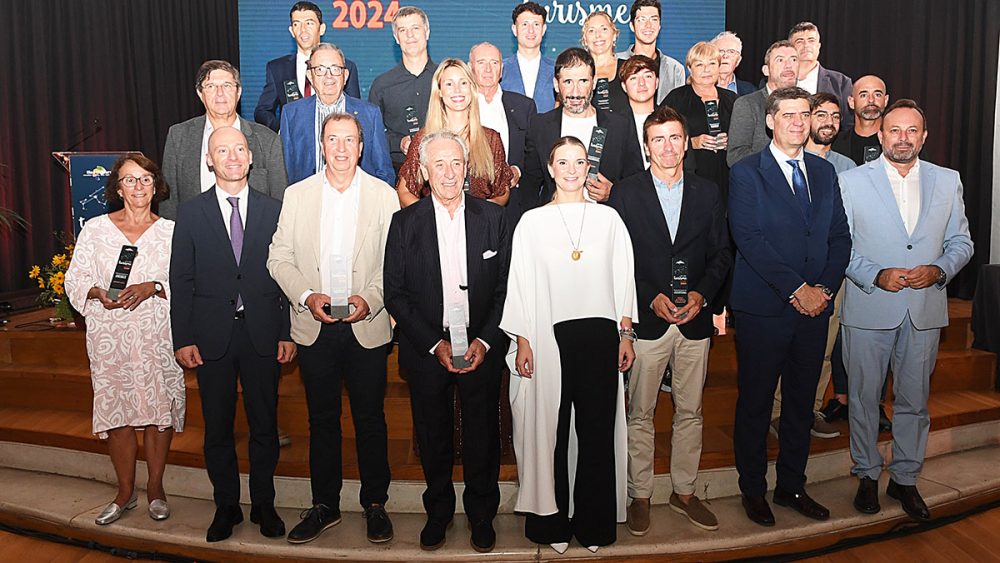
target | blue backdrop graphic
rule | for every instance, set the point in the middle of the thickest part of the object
(359, 28)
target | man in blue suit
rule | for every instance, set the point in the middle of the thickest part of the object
(911, 237)
(793, 244)
(527, 72)
(286, 79)
(300, 121)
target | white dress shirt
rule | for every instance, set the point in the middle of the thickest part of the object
(811, 81)
(640, 120)
(227, 209)
(207, 176)
(493, 115)
(786, 168)
(906, 190)
(338, 227)
(529, 73)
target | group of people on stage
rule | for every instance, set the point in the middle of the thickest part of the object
(471, 203)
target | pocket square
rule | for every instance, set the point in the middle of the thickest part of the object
(489, 254)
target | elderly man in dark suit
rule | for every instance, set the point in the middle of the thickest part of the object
(675, 220)
(793, 245)
(508, 113)
(286, 80)
(185, 168)
(576, 116)
(446, 262)
(230, 321)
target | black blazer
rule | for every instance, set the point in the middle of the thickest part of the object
(206, 280)
(621, 158)
(519, 110)
(412, 277)
(702, 240)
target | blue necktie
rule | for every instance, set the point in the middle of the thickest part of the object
(800, 187)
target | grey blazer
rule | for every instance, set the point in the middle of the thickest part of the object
(671, 73)
(839, 85)
(940, 237)
(747, 129)
(183, 159)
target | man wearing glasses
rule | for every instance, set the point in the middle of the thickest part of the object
(185, 168)
(731, 48)
(287, 79)
(645, 24)
(300, 120)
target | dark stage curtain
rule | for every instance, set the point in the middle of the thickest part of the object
(943, 54)
(127, 65)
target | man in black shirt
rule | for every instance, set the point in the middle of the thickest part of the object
(402, 91)
(867, 100)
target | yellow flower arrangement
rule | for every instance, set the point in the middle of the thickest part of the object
(52, 279)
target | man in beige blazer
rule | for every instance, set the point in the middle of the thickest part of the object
(327, 256)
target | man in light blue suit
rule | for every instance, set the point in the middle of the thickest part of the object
(527, 72)
(301, 120)
(910, 238)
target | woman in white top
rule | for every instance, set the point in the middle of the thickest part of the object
(571, 285)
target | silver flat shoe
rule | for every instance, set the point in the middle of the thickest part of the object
(159, 509)
(113, 512)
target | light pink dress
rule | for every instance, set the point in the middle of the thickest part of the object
(136, 380)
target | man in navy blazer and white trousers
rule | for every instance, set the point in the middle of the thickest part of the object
(230, 320)
(793, 244)
(911, 237)
(300, 121)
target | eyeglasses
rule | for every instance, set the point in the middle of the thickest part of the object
(728, 52)
(644, 19)
(323, 70)
(131, 181)
(227, 87)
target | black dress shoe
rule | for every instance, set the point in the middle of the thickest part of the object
(834, 410)
(378, 525)
(433, 534)
(910, 499)
(314, 522)
(801, 503)
(866, 500)
(758, 510)
(226, 516)
(484, 537)
(884, 422)
(271, 525)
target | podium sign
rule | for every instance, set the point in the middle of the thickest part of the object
(88, 176)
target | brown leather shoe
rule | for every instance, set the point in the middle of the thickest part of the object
(637, 519)
(758, 510)
(696, 512)
(801, 503)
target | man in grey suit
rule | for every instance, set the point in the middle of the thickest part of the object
(813, 77)
(217, 84)
(910, 237)
(747, 128)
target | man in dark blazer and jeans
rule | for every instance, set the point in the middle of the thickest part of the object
(446, 262)
(230, 321)
(673, 218)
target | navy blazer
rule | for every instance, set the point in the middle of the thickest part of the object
(743, 88)
(779, 249)
(701, 240)
(205, 278)
(273, 97)
(544, 94)
(298, 137)
(519, 110)
(621, 156)
(412, 276)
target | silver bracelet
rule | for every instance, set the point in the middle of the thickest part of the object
(628, 333)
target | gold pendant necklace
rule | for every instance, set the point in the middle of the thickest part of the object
(576, 253)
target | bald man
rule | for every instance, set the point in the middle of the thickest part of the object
(230, 323)
(867, 101)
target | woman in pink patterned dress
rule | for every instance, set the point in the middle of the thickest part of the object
(137, 383)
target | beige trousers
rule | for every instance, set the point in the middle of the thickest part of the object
(688, 360)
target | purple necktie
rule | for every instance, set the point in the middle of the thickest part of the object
(236, 237)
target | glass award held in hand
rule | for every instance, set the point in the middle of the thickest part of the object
(119, 280)
(340, 289)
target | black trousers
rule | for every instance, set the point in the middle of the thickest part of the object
(432, 390)
(258, 376)
(588, 351)
(792, 346)
(337, 358)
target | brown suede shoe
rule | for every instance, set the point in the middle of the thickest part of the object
(696, 512)
(637, 520)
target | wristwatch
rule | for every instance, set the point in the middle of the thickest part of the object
(157, 287)
(942, 277)
(826, 290)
